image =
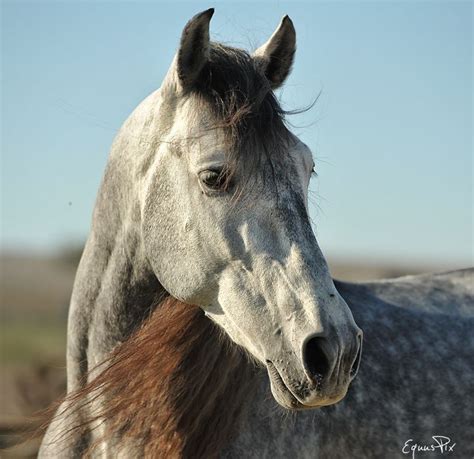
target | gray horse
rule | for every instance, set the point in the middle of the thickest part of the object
(205, 199)
(414, 394)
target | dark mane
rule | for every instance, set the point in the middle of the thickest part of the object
(242, 102)
(175, 388)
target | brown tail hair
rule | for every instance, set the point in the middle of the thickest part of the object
(177, 387)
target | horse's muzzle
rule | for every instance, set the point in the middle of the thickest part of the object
(328, 371)
(321, 362)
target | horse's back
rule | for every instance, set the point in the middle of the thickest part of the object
(450, 293)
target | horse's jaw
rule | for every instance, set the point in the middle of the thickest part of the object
(309, 343)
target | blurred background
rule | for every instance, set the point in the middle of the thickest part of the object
(391, 134)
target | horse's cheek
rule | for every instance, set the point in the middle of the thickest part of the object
(170, 236)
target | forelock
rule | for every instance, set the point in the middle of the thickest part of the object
(241, 102)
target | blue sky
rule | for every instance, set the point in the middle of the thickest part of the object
(391, 132)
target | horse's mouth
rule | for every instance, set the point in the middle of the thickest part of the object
(282, 393)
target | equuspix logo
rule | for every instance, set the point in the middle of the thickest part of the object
(440, 444)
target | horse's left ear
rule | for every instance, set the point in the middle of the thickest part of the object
(194, 47)
(276, 55)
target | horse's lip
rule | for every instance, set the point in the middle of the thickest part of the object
(282, 388)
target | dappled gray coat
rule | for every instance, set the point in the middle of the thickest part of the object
(416, 380)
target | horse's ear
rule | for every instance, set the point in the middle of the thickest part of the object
(276, 55)
(194, 47)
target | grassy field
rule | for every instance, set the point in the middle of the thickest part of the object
(34, 293)
(29, 342)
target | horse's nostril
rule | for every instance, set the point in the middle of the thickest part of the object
(315, 360)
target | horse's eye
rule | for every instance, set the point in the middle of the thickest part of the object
(213, 179)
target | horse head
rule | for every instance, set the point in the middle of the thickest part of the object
(223, 192)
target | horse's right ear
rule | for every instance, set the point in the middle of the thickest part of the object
(194, 47)
(276, 56)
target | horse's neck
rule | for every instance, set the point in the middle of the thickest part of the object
(115, 286)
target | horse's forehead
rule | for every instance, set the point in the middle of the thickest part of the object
(210, 149)
(205, 142)
(214, 156)
(193, 113)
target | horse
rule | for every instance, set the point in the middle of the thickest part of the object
(412, 396)
(204, 203)
(204, 198)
